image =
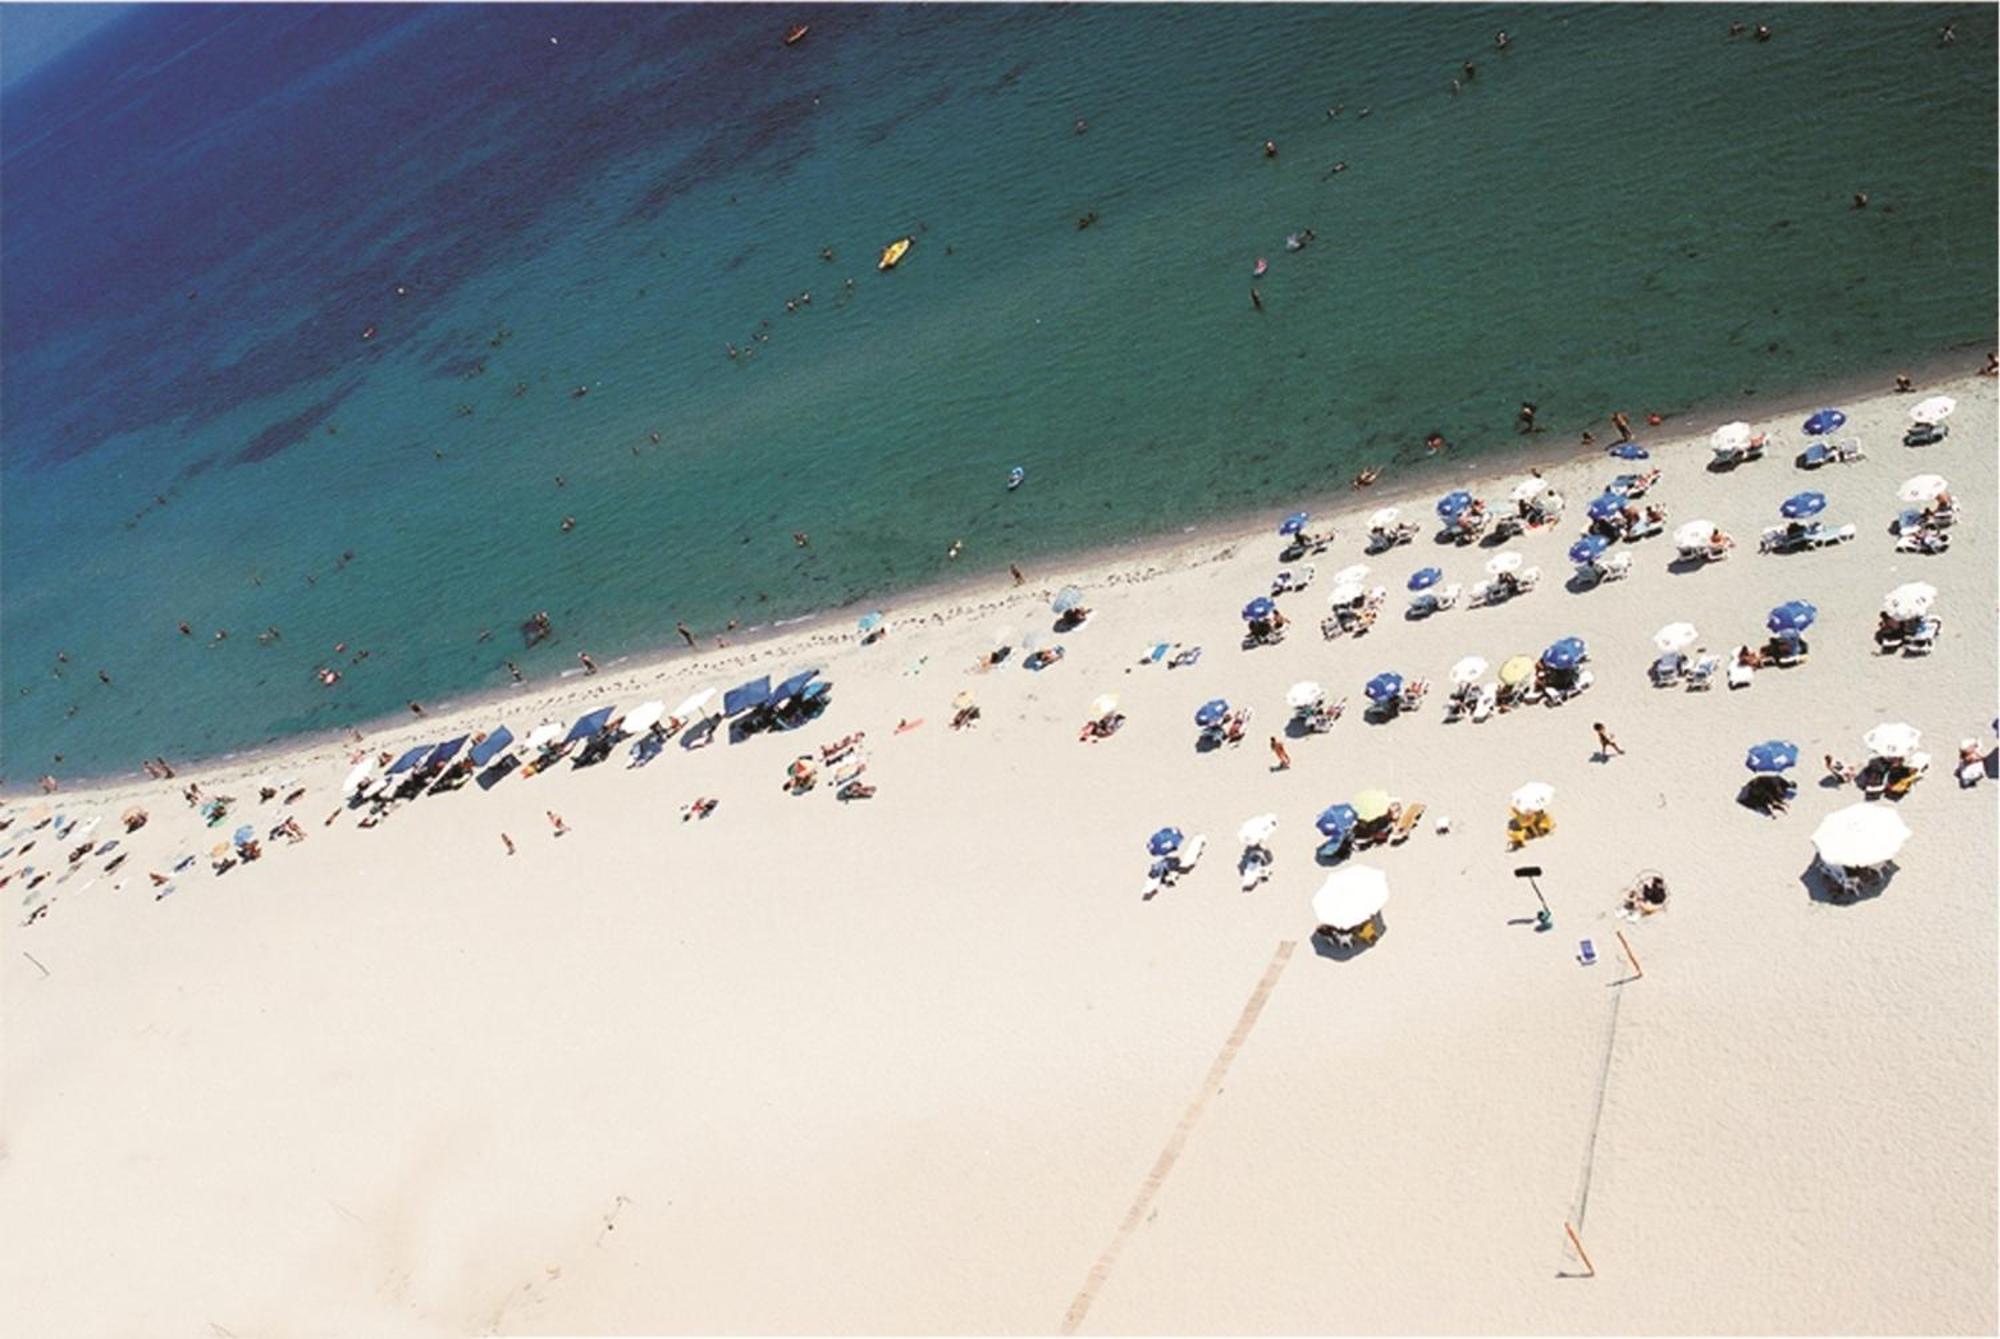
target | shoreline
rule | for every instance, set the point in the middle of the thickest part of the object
(1096, 564)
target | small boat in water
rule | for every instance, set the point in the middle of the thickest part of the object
(796, 34)
(1014, 478)
(894, 253)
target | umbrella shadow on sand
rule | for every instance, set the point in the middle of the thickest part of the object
(1820, 886)
(1327, 948)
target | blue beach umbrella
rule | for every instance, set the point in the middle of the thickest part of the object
(1294, 523)
(1164, 842)
(586, 726)
(1565, 655)
(1793, 616)
(1451, 504)
(1773, 755)
(409, 760)
(1426, 577)
(747, 695)
(1824, 422)
(870, 621)
(1068, 598)
(246, 833)
(444, 752)
(1803, 504)
(1384, 686)
(793, 686)
(1628, 451)
(1261, 607)
(1605, 506)
(1588, 549)
(1337, 821)
(1211, 713)
(484, 750)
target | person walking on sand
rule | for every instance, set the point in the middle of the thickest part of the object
(682, 629)
(1606, 745)
(556, 820)
(1284, 758)
(1015, 568)
(507, 842)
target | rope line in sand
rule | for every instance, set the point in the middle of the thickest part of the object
(1178, 1140)
(1597, 1114)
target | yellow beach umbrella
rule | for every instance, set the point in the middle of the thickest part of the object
(963, 700)
(1370, 805)
(1103, 706)
(1516, 668)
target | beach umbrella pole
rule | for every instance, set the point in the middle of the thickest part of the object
(1544, 919)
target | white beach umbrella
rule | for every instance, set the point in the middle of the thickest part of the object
(363, 773)
(1350, 896)
(1730, 437)
(1356, 573)
(1922, 487)
(1258, 830)
(1528, 490)
(1534, 797)
(1385, 518)
(694, 706)
(1036, 641)
(644, 716)
(1893, 739)
(1345, 592)
(1500, 564)
(1468, 670)
(1912, 599)
(1304, 694)
(543, 734)
(1860, 835)
(1936, 409)
(1675, 637)
(1694, 534)
(1103, 705)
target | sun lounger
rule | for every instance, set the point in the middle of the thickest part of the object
(1447, 596)
(1924, 541)
(1484, 701)
(1819, 539)
(1412, 695)
(1182, 658)
(1406, 824)
(1255, 866)
(1926, 434)
(1828, 453)
(1924, 640)
(1330, 627)
(1740, 675)
(1291, 581)
(1669, 669)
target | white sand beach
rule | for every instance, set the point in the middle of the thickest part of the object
(928, 1062)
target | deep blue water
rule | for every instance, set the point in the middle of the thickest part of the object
(206, 208)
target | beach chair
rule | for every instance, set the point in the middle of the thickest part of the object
(1412, 695)
(1615, 568)
(1329, 627)
(1829, 453)
(1786, 652)
(1447, 596)
(1781, 539)
(1290, 581)
(1900, 779)
(1255, 866)
(1924, 640)
(1820, 539)
(1926, 434)
(1484, 701)
(1406, 824)
(1527, 579)
(1924, 541)
(1669, 669)
(1184, 658)
(1714, 553)
(1740, 675)
(1645, 527)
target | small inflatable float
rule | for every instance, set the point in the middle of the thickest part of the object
(893, 253)
(1014, 478)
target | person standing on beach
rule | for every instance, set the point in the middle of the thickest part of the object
(556, 820)
(682, 629)
(1623, 424)
(1015, 568)
(416, 707)
(507, 842)
(1284, 758)
(1606, 745)
(589, 665)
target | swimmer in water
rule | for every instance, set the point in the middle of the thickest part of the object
(1270, 148)
(1368, 476)
(568, 524)
(1256, 299)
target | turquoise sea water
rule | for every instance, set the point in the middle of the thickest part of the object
(204, 210)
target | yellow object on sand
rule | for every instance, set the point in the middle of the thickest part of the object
(894, 252)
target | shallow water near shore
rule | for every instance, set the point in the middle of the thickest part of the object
(1627, 209)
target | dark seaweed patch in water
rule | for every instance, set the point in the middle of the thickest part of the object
(930, 101)
(291, 431)
(727, 149)
(1009, 79)
(194, 469)
(736, 261)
